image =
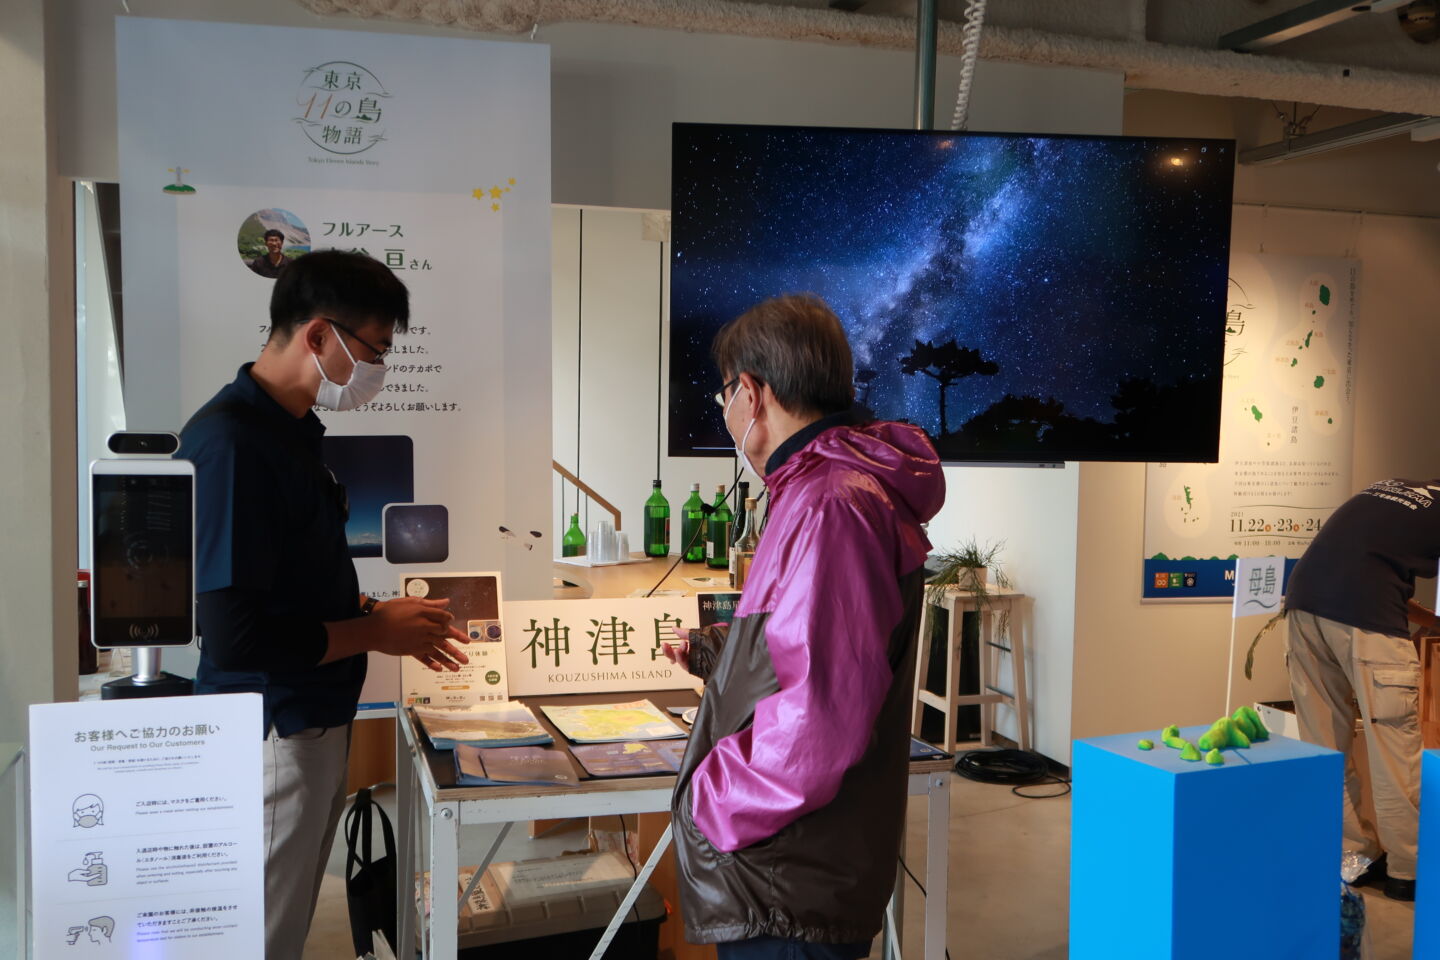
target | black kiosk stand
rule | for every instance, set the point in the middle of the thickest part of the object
(142, 554)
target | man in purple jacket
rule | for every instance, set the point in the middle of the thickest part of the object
(790, 801)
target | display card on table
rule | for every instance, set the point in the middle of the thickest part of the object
(146, 831)
(508, 766)
(475, 609)
(629, 758)
(509, 724)
(717, 606)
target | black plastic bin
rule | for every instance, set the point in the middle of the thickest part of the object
(567, 928)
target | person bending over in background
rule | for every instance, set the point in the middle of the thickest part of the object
(1348, 604)
(790, 801)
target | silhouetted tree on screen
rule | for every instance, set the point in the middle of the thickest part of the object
(946, 364)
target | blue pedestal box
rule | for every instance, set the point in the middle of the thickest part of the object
(1427, 871)
(1179, 860)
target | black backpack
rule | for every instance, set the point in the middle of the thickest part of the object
(369, 883)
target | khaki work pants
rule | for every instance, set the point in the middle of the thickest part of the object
(304, 797)
(1333, 669)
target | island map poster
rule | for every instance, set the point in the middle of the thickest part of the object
(1286, 431)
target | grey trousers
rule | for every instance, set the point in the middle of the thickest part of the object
(304, 797)
(1333, 669)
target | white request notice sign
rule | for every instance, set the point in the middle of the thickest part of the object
(146, 829)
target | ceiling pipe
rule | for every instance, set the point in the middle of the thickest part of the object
(925, 24)
(1146, 65)
(1335, 138)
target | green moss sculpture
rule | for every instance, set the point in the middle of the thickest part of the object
(1146, 744)
(1215, 758)
(1258, 731)
(1217, 736)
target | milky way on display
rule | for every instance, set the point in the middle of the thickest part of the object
(1075, 264)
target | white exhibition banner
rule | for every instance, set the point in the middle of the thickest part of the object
(147, 835)
(1286, 434)
(597, 645)
(431, 155)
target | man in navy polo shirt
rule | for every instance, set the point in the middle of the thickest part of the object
(280, 608)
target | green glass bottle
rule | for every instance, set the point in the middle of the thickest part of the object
(692, 526)
(738, 528)
(717, 537)
(657, 524)
(573, 545)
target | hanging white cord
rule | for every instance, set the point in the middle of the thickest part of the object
(969, 54)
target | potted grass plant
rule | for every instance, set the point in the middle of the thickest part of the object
(970, 567)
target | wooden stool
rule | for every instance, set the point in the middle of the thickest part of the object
(996, 604)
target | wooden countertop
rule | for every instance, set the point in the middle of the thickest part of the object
(624, 579)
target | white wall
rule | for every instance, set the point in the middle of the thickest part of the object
(616, 91)
(617, 387)
(1140, 666)
(97, 362)
(37, 435)
(1034, 511)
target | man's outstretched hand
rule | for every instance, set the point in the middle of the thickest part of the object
(419, 628)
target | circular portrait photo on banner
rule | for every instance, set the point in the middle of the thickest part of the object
(269, 239)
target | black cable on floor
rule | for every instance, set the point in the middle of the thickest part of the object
(913, 877)
(1013, 768)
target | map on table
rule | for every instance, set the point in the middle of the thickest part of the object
(609, 722)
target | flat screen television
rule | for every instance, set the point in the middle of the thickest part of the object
(1021, 297)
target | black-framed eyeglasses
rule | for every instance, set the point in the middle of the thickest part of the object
(719, 398)
(379, 354)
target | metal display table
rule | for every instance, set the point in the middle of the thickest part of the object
(429, 804)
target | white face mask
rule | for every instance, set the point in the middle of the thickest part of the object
(740, 447)
(366, 380)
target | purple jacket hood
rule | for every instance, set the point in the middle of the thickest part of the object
(896, 456)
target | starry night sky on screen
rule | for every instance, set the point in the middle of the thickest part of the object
(1089, 272)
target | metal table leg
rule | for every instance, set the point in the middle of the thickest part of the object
(937, 866)
(444, 871)
(406, 784)
(892, 946)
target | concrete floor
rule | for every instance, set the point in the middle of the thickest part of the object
(1009, 883)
